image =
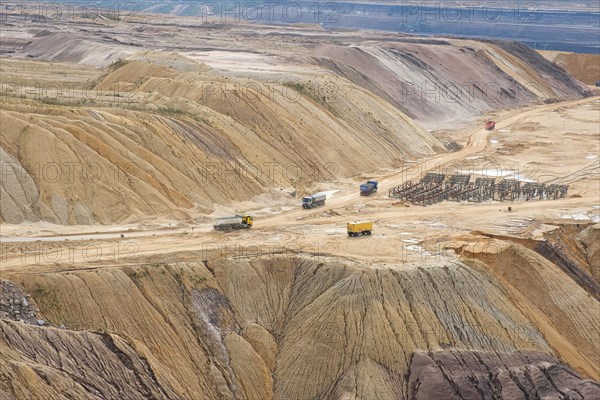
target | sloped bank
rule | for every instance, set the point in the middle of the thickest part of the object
(281, 327)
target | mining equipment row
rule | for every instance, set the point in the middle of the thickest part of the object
(434, 188)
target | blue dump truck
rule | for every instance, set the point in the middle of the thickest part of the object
(315, 200)
(366, 189)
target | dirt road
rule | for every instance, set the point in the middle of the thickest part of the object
(400, 230)
(476, 143)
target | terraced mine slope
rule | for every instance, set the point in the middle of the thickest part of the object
(249, 328)
(122, 139)
(173, 149)
(584, 67)
(231, 113)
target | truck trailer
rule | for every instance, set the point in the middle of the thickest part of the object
(366, 189)
(312, 201)
(359, 228)
(238, 221)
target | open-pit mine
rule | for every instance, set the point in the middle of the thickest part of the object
(198, 209)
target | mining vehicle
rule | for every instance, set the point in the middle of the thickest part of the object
(367, 189)
(490, 125)
(238, 221)
(359, 228)
(313, 201)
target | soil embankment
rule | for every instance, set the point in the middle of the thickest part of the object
(300, 327)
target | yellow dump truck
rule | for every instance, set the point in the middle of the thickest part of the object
(360, 228)
(238, 221)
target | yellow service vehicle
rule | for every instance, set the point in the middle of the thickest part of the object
(359, 228)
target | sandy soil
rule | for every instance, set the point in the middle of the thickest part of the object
(402, 231)
(449, 301)
(585, 67)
